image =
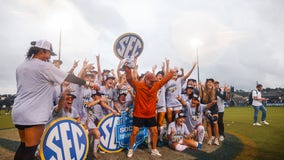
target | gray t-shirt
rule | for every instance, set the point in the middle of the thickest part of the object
(193, 116)
(36, 80)
(180, 132)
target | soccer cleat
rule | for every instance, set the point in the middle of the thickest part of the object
(130, 153)
(256, 124)
(156, 153)
(221, 138)
(216, 142)
(264, 122)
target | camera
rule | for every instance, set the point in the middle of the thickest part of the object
(208, 114)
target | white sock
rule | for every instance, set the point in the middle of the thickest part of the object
(161, 133)
(96, 145)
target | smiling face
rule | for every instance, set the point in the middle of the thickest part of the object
(194, 102)
(69, 101)
(159, 77)
(209, 84)
(180, 121)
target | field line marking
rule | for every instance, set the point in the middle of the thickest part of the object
(250, 148)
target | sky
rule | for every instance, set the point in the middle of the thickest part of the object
(238, 42)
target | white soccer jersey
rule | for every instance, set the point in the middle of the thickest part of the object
(173, 90)
(193, 118)
(109, 93)
(35, 91)
(83, 97)
(161, 97)
(180, 132)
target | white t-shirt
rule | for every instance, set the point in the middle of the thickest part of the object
(180, 132)
(258, 95)
(220, 102)
(83, 97)
(35, 91)
(173, 90)
(161, 97)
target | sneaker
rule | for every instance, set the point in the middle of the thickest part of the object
(199, 146)
(210, 140)
(156, 153)
(221, 138)
(216, 142)
(102, 152)
(130, 153)
(256, 124)
(264, 122)
(96, 155)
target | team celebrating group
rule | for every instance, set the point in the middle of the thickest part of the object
(174, 107)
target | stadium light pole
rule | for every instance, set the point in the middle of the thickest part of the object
(197, 60)
(196, 42)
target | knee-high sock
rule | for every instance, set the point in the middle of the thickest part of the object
(29, 153)
(19, 152)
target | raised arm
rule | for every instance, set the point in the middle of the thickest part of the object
(75, 64)
(129, 76)
(189, 72)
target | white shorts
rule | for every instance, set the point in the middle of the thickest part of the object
(91, 125)
(177, 108)
(161, 109)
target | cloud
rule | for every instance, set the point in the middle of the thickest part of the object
(241, 40)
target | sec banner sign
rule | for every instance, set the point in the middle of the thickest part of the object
(64, 138)
(107, 128)
(128, 45)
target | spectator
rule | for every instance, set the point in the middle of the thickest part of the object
(222, 95)
(258, 105)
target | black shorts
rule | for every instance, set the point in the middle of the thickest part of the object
(144, 122)
(22, 127)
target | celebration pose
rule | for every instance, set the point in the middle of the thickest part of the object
(145, 106)
(36, 80)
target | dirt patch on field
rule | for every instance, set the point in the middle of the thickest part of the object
(9, 142)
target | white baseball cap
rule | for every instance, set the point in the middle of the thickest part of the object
(44, 44)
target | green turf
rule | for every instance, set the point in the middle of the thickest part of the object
(269, 139)
(5, 120)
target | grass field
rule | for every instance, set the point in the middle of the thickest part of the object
(243, 141)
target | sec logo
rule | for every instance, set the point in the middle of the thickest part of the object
(107, 128)
(64, 138)
(128, 45)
